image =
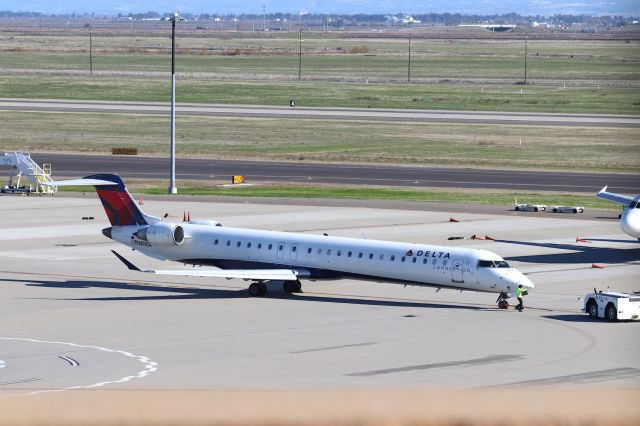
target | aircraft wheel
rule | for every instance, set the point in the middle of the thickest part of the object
(503, 304)
(257, 289)
(611, 312)
(292, 286)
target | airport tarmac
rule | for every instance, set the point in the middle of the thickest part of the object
(74, 317)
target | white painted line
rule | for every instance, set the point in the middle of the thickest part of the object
(2, 363)
(149, 366)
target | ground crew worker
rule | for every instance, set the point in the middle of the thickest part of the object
(519, 293)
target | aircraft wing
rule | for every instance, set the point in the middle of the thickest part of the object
(616, 198)
(245, 274)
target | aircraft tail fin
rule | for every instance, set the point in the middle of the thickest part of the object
(118, 203)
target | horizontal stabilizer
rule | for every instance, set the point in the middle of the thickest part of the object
(245, 274)
(616, 198)
(79, 182)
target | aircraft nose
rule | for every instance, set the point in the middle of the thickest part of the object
(630, 223)
(526, 282)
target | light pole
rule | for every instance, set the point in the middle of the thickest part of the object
(172, 179)
(526, 37)
(300, 54)
(409, 63)
(90, 51)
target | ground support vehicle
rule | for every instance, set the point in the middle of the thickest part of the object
(567, 209)
(612, 306)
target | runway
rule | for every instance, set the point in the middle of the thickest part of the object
(74, 318)
(424, 116)
(289, 172)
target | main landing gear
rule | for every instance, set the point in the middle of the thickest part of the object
(257, 289)
(260, 288)
(503, 302)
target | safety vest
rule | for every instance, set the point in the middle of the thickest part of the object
(519, 291)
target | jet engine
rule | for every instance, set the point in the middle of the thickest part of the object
(162, 233)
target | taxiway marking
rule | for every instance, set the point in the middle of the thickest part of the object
(149, 365)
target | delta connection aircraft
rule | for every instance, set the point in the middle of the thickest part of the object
(283, 258)
(630, 217)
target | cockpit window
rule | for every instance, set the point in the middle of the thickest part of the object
(493, 264)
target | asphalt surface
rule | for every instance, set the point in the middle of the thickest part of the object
(74, 317)
(426, 116)
(128, 167)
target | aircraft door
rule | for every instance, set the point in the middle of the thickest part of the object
(280, 251)
(457, 270)
(294, 251)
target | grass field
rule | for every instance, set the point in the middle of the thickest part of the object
(505, 198)
(403, 96)
(422, 144)
(592, 76)
(330, 57)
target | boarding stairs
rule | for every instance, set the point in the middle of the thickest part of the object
(23, 165)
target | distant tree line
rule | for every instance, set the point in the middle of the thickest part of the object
(339, 21)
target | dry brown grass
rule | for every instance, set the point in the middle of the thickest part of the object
(513, 406)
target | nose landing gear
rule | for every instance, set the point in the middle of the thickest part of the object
(502, 300)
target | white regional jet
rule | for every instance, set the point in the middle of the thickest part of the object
(267, 257)
(630, 218)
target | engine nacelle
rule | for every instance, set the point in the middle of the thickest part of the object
(162, 233)
(205, 222)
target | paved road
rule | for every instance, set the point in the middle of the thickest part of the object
(529, 119)
(260, 171)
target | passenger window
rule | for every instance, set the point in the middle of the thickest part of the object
(215, 242)
(228, 243)
(349, 254)
(270, 246)
(370, 255)
(359, 255)
(309, 250)
(329, 252)
(259, 246)
(404, 258)
(424, 261)
(248, 245)
(382, 257)
(294, 248)
(393, 257)
(238, 244)
(414, 259)
(339, 252)
(280, 247)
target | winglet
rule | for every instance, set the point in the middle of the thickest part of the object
(129, 265)
(603, 189)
